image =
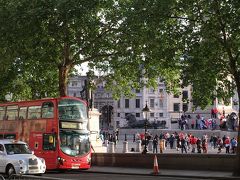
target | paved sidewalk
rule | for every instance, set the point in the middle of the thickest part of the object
(164, 172)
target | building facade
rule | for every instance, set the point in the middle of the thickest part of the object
(164, 107)
(114, 113)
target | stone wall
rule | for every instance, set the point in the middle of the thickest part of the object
(211, 162)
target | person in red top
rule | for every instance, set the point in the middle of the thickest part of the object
(193, 142)
(227, 144)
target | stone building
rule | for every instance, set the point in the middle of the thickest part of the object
(166, 108)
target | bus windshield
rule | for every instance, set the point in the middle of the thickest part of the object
(74, 143)
(72, 110)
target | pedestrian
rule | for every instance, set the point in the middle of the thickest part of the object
(192, 123)
(234, 145)
(178, 142)
(161, 145)
(219, 144)
(204, 145)
(193, 142)
(199, 145)
(171, 141)
(183, 144)
(155, 144)
(227, 145)
(117, 134)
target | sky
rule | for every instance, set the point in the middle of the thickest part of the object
(83, 69)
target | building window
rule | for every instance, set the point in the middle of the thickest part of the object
(117, 123)
(160, 114)
(151, 103)
(161, 91)
(118, 114)
(185, 95)
(74, 83)
(161, 103)
(74, 94)
(137, 90)
(151, 90)
(152, 115)
(126, 103)
(185, 107)
(137, 114)
(119, 104)
(126, 114)
(137, 103)
(176, 107)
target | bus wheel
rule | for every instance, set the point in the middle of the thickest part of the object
(10, 171)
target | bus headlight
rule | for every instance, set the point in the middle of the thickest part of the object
(61, 160)
(89, 159)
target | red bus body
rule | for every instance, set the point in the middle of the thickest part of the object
(55, 128)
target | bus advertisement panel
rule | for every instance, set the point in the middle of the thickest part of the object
(56, 129)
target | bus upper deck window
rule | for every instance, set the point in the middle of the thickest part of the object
(47, 110)
(2, 113)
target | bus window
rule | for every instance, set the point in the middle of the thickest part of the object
(49, 141)
(22, 113)
(34, 112)
(47, 110)
(12, 113)
(9, 136)
(2, 112)
(70, 109)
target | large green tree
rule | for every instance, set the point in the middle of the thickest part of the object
(211, 62)
(112, 36)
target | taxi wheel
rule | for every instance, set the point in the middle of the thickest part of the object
(10, 170)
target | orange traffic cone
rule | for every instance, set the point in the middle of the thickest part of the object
(155, 166)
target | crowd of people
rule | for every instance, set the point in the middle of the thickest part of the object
(200, 122)
(188, 143)
(216, 121)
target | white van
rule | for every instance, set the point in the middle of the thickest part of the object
(16, 158)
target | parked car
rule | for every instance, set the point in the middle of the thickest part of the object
(17, 158)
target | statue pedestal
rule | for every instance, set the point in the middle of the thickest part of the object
(93, 126)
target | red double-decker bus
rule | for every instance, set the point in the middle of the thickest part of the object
(56, 129)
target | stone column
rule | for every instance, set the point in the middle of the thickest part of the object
(111, 147)
(138, 146)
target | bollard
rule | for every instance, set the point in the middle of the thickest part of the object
(150, 145)
(125, 147)
(111, 147)
(138, 146)
(175, 144)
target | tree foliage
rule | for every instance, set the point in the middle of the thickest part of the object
(118, 38)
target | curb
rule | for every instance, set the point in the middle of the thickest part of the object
(166, 175)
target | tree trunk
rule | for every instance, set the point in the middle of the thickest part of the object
(63, 79)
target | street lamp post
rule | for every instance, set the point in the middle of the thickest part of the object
(145, 111)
